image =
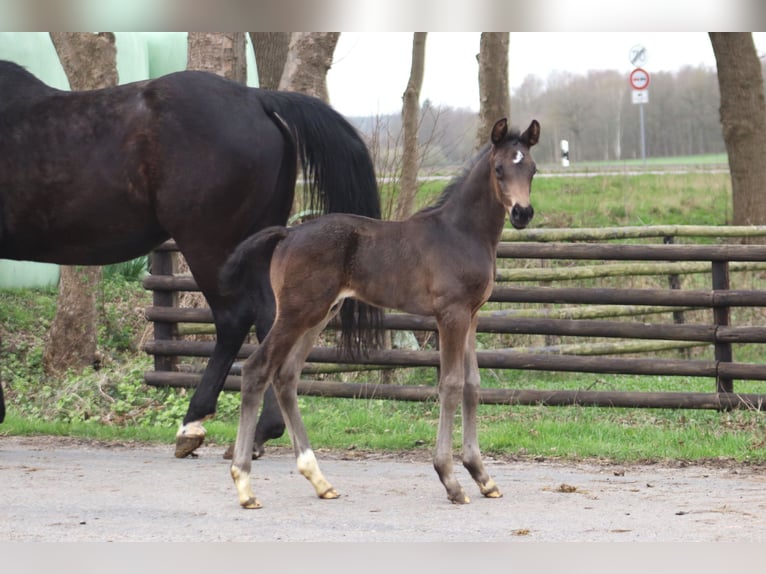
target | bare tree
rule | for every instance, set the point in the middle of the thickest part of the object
(494, 97)
(219, 53)
(89, 61)
(743, 121)
(270, 56)
(308, 60)
(408, 182)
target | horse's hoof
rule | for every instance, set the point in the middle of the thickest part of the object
(251, 503)
(186, 445)
(329, 494)
(258, 451)
(460, 498)
(490, 490)
(229, 452)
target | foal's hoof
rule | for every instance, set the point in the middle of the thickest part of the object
(251, 504)
(329, 494)
(186, 444)
(490, 490)
(459, 498)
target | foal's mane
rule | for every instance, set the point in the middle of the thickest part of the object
(456, 183)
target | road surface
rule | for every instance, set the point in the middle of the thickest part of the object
(72, 490)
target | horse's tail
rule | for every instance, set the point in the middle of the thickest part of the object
(337, 168)
(339, 176)
(2, 403)
(248, 265)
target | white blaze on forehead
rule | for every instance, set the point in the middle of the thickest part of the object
(518, 157)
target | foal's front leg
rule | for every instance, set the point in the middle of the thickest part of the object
(471, 453)
(452, 339)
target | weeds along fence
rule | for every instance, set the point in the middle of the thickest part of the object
(657, 300)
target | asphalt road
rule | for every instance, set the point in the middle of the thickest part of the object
(68, 490)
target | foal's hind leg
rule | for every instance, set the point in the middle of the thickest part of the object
(271, 423)
(286, 388)
(255, 378)
(278, 361)
(471, 453)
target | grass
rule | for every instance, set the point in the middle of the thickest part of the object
(114, 403)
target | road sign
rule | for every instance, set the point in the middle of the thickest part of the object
(638, 55)
(639, 79)
(640, 96)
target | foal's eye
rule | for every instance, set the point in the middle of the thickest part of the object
(499, 171)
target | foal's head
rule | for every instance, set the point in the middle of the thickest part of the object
(513, 168)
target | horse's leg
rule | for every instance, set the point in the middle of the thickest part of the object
(232, 324)
(256, 374)
(271, 424)
(286, 386)
(471, 453)
(278, 361)
(453, 330)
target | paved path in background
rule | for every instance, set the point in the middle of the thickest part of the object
(68, 490)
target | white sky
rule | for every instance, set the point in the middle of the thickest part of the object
(370, 70)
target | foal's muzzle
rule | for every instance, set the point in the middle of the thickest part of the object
(521, 216)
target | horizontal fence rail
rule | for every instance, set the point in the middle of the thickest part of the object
(556, 256)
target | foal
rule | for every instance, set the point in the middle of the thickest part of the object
(440, 263)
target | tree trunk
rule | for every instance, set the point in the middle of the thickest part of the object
(743, 121)
(270, 56)
(219, 53)
(89, 61)
(308, 59)
(494, 98)
(408, 182)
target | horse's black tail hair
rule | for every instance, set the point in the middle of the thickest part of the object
(339, 176)
(247, 269)
(338, 171)
(2, 403)
(361, 328)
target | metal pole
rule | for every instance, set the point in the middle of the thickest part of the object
(643, 138)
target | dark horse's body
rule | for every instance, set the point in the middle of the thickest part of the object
(91, 178)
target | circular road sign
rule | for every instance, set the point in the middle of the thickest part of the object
(638, 55)
(639, 79)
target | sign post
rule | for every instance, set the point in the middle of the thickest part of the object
(639, 81)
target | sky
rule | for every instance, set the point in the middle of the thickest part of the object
(370, 70)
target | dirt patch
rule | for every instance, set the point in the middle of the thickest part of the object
(65, 489)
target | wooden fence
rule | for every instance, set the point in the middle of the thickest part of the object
(598, 302)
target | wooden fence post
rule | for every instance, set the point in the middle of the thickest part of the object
(721, 316)
(162, 264)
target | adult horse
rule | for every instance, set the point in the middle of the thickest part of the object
(96, 177)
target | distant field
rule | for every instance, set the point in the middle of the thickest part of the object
(650, 162)
(620, 197)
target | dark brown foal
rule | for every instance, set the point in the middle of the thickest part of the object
(440, 263)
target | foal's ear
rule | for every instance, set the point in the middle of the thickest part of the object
(499, 131)
(532, 135)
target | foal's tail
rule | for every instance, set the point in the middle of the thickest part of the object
(339, 176)
(248, 265)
